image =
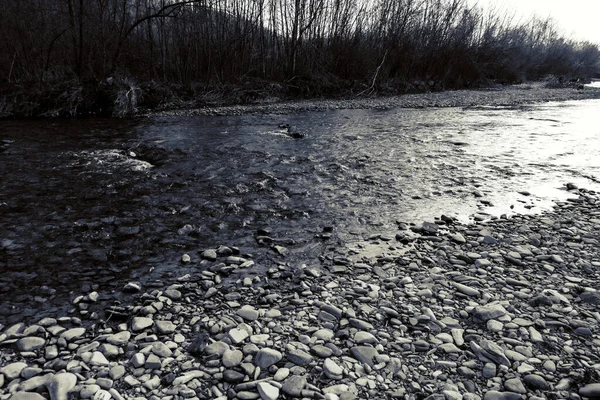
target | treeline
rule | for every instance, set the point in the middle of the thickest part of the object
(63, 50)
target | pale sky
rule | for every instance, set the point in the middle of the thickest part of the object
(579, 19)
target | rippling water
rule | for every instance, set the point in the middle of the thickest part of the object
(79, 206)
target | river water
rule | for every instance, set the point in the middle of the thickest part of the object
(91, 204)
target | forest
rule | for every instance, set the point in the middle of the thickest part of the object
(82, 57)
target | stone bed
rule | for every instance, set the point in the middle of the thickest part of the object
(502, 309)
(501, 96)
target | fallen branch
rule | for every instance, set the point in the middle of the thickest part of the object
(370, 88)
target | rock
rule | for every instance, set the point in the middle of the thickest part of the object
(487, 350)
(536, 382)
(267, 357)
(249, 313)
(238, 335)
(161, 350)
(132, 287)
(464, 289)
(299, 357)
(590, 298)
(165, 327)
(489, 370)
(152, 362)
(332, 370)
(590, 390)
(73, 334)
(267, 391)
(13, 370)
(210, 255)
(362, 337)
(119, 339)
(232, 376)
(59, 385)
(27, 396)
(30, 343)
(495, 395)
(98, 359)
(232, 358)
(364, 354)
(485, 313)
(515, 385)
(141, 323)
(293, 385)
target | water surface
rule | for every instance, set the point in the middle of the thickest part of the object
(94, 203)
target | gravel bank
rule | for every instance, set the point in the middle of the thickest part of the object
(504, 309)
(500, 96)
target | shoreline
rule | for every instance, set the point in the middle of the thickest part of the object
(504, 96)
(500, 309)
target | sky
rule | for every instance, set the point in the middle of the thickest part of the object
(577, 19)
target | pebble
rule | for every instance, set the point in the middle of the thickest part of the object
(267, 357)
(141, 323)
(446, 318)
(267, 391)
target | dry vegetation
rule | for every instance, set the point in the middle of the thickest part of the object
(74, 57)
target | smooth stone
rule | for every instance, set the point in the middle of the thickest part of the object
(467, 290)
(238, 335)
(449, 348)
(232, 376)
(165, 327)
(495, 395)
(161, 350)
(515, 385)
(119, 339)
(13, 371)
(321, 351)
(103, 395)
(362, 337)
(141, 323)
(27, 396)
(232, 358)
(248, 313)
(590, 390)
(281, 374)
(332, 369)
(60, 384)
(324, 334)
(485, 313)
(88, 391)
(267, 391)
(536, 382)
(152, 362)
(267, 357)
(30, 343)
(34, 383)
(216, 348)
(364, 354)
(98, 359)
(293, 385)
(72, 334)
(299, 357)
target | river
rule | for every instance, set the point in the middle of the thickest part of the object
(92, 204)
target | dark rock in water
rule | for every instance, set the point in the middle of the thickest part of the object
(199, 343)
(297, 135)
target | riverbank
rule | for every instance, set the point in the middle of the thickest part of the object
(507, 96)
(503, 309)
(123, 97)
